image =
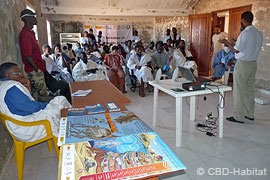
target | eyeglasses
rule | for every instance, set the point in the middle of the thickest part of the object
(15, 73)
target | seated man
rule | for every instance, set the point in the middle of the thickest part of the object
(17, 102)
(182, 57)
(88, 70)
(141, 64)
(160, 59)
(52, 67)
(151, 49)
(90, 56)
(223, 61)
(114, 62)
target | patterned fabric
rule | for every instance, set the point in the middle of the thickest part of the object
(38, 84)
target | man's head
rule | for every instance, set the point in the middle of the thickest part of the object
(174, 30)
(135, 33)
(152, 45)
(85, 34)
(28, 17)
(169, 42)
(182, 44)
(47, 49)
(217, 29)
(91, 31)
(115, 49)
(226, 48)
(246, 19)
(100, 33)
(106, 49)
(168, 32)
(57, 49)
(138, 49)
(83, 57)
(159, 46)
(69, 46)
(165, 45)
(10, 71)
(78, 45)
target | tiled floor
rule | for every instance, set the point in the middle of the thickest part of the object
(243, 146)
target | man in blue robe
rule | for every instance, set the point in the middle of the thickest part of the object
(223, 61)
(16, 101)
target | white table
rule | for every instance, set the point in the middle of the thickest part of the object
(168, 84)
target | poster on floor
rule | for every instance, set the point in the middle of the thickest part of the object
(131, 157)
(101, 126)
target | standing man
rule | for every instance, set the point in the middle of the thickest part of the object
(34, 66)
(175, 37)
(247, 49)
(216, 46)
(92, 36)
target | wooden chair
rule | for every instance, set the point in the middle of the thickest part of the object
(20, 146)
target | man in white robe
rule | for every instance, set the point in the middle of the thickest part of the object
(88, 70)
(17, 102)
(141, 64)
(182, 57)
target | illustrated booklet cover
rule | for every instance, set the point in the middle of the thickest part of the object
(100, 126)
(126, 157)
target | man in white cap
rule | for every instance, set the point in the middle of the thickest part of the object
(34, 66)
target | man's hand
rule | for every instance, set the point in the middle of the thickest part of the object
(26, 82)
(92, 70)
(138, 67)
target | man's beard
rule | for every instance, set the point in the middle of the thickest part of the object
(242, 27)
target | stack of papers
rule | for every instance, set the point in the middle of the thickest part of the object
(82, 92)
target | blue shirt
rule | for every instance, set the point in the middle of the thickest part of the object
(20, 104)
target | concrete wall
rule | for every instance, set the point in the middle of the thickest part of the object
(9, 51)
(149, 28)
(261, 11)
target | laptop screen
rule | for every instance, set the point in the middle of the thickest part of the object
(187, 74)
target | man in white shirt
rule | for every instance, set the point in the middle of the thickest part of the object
(88, 70)
(216, 46)
(182, 57)
(247, 49)
(175, 37)
(167, 36)
(141, 64)
(135, 38)
(100, 38)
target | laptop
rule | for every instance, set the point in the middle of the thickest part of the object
(188, 75)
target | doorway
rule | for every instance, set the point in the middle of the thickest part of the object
(202, 29)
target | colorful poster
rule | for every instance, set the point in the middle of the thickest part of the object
(131, 157)
(103, 126)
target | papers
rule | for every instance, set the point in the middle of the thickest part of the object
(82, 92)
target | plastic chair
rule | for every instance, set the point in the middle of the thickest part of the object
(20, 146)
(226, 75)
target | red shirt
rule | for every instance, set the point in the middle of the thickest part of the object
(29, 47)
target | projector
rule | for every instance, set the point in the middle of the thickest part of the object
(194, 86)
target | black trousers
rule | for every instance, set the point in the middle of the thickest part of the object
(54, 85)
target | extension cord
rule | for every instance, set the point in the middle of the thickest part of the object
(262, 101)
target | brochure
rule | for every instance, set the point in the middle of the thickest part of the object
(97, 108)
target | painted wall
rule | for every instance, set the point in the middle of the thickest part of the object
(9, 52)
(261, 11)
(149, 28)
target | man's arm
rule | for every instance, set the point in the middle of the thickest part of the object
(229, 44)
(20, 104)
(31, 62)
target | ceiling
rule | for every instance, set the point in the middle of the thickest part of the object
(119, 7)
